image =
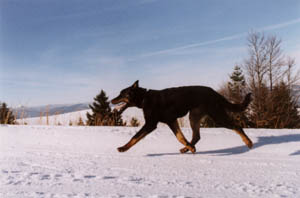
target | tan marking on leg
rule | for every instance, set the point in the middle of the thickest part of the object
(195, 125)
(184, 150)
(245, 138)
(145, 130)
(180, 137)
(127, 146)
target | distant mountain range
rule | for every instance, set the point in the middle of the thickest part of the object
(29, 112)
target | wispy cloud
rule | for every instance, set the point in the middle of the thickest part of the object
(227, 38)
(280, 25)
(166, 51)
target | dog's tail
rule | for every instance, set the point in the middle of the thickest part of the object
(238, 107)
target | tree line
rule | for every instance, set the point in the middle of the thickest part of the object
(270, 77)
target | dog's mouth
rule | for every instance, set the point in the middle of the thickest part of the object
(119, 100)
(120, 103)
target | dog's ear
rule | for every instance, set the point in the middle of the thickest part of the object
(136, 84)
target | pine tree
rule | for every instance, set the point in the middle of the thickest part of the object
(6, 115)
(282, 108)
(102, 115)
(237, 85)
(236, 92)
(100, 109)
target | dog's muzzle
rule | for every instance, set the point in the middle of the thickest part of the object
(119, 99)
(120, 102)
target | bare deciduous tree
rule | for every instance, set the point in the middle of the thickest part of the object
(256, 69)
(256, 63)
(275, 60)
(267, 69)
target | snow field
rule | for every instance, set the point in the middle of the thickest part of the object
(73, 117)
(66, 118)
(56, 161)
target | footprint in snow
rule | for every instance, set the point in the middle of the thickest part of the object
(33, 173)
(15, 171)
(77, 180)
(89, 176)
(108, 177)
(45, 177)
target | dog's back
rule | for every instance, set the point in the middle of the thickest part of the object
(185, 97)
(176, 102)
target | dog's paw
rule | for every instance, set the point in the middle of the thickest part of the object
(122, 149)
(184, 150)
(188, 148)
(192, 149)
(249, 144)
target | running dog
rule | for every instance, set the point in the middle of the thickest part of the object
(169, 104)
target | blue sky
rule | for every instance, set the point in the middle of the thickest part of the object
(56, 52)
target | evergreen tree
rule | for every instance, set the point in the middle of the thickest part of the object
(282, 108)
(237, 85)
(102, 115)
(236, 92)
(6, 115)
(100, 109)
(274, 109)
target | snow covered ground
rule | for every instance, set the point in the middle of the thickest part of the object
(57, 161)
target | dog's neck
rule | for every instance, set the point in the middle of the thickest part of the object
(140, 97)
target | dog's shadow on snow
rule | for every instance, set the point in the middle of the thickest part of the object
(261, 141)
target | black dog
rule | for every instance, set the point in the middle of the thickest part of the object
(169, 104)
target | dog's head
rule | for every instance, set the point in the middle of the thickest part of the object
(127, 96)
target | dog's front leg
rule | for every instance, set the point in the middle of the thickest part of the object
(145, 130)
(180, 137)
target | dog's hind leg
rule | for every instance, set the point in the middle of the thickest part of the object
(195, 118)
(244, 137)
(222, 118)
(180, 137)
(145, 130)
